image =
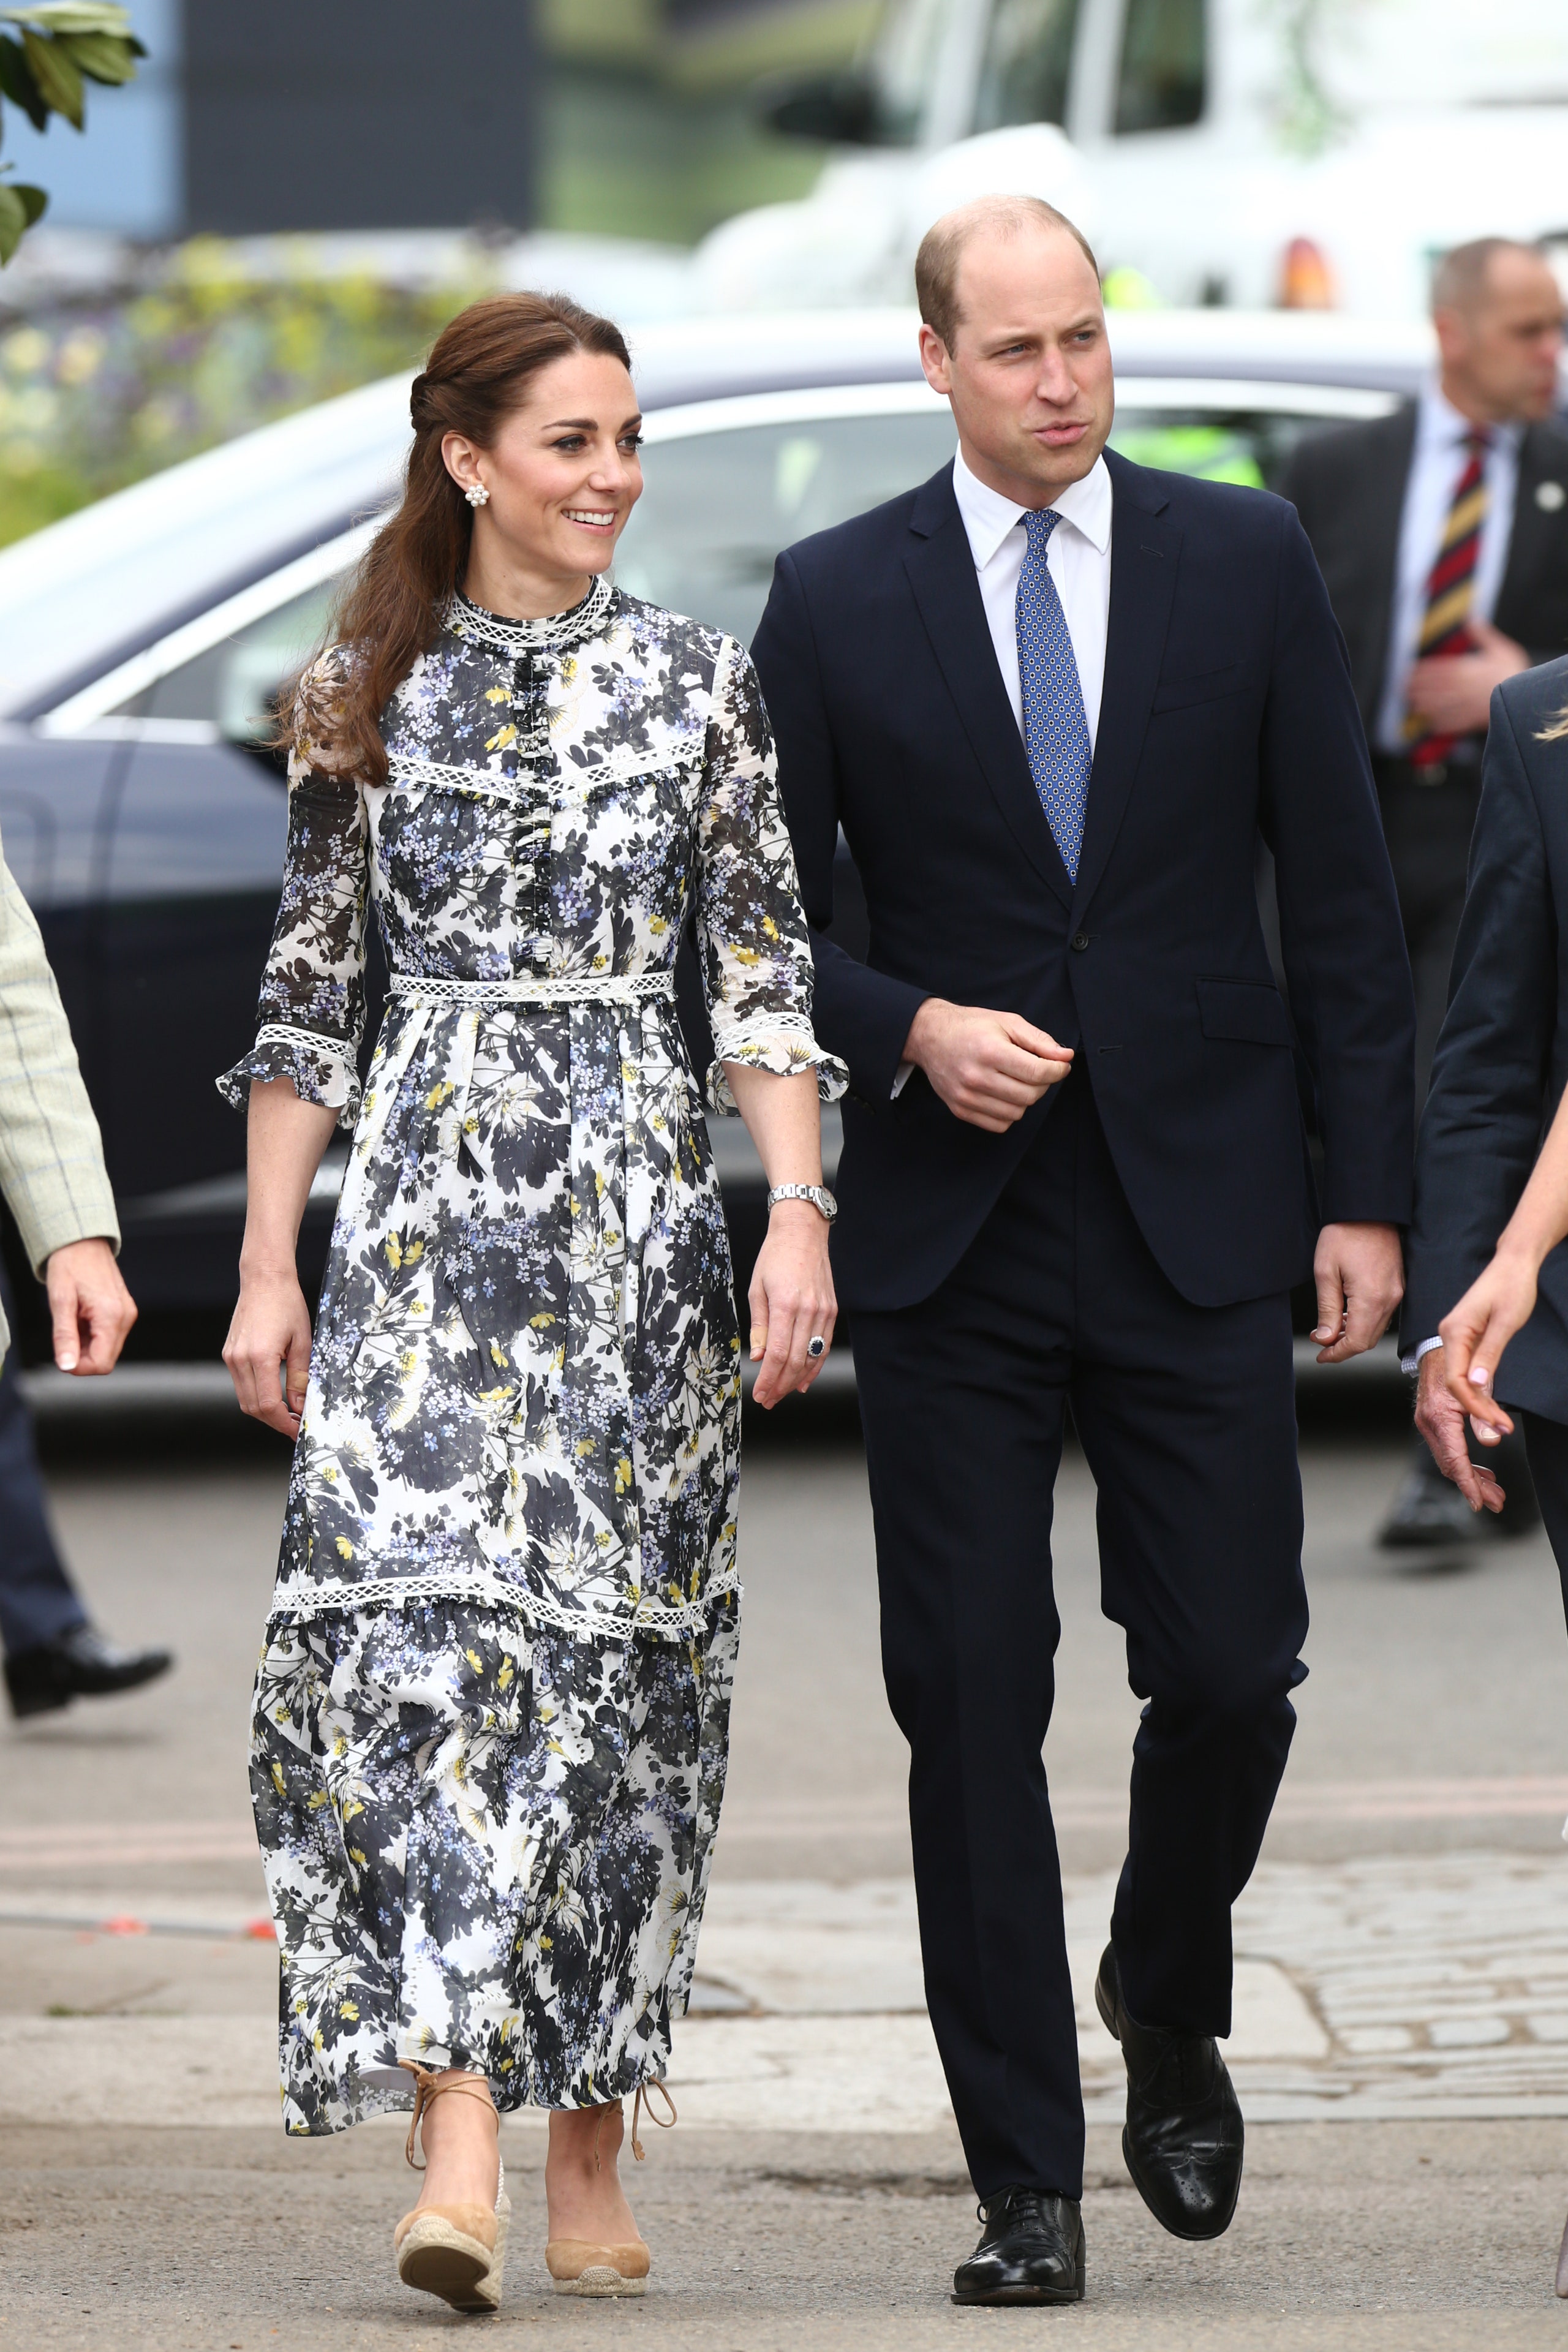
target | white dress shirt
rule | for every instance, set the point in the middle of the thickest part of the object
(1439, 460)
(1077, 558)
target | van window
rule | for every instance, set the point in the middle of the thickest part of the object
(1028, 62)
(1164, 63)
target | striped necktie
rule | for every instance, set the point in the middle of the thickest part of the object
(1450, 591)
(1056, 732)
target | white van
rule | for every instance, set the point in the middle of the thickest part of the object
(1232, 151)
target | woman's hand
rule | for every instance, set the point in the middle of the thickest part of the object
(792, 1302)
(1496, 1306)
(268, 1350)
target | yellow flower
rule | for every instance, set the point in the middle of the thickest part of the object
(504, 1677)
(770, 929)
(475, 1661)
(498, 1354)
(502, 741)
(496, 694)
(600, 961)
(347, 2009)
(541, 1322)
(318, 1798)
(437, 1096)
(345, 1548)
(658, 925)
(393, 1251)
(355, 1856)
(584, 1446)
(546, 1944)
(623, 1475)
(318, 2039)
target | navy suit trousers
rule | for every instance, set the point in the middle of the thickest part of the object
(1187, 1415)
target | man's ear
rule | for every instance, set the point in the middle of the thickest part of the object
(935, 360)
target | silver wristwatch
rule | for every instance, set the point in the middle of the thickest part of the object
(820, 1199)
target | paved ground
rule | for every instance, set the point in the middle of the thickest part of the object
(1402, 2021)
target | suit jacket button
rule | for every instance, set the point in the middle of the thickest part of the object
(1080, 940)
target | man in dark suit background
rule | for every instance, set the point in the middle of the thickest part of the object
(1052, 698)
(1500, 1067)
(1442, 531)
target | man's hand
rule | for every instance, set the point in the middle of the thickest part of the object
(90, 1306)
(1359, 1273)
(1452, 692)
(988, 1067)
(1441, 1420)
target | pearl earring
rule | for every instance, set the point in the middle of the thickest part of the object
(477, 495)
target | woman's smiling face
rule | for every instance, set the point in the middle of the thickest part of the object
(563, 473)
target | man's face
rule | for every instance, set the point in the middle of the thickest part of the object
(1029, 373)
(1500, 356)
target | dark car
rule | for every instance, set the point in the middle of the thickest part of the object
(142, 643)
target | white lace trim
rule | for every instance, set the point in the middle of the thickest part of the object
(282, 1032)
(486, 782)
(305, 1596)
(555, 633)
(568, 988)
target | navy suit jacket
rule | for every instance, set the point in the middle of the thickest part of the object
(1502, 1057)
(1227, 711)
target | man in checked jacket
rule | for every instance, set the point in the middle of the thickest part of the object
(57, 1189)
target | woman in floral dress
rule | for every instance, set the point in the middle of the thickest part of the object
(492, 1715)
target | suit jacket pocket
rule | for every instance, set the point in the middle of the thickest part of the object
(1252, 1012)
(1204, 686)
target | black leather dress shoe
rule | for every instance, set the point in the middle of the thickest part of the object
(80, 1664)
(1182, 2138)
(1030, 2251)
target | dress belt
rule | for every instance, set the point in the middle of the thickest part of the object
(566, 988)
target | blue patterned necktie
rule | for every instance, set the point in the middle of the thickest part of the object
(1056, 732)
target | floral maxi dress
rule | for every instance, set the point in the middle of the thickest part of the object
(490, 1721)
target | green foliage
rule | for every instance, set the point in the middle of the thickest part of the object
(1307, 117)
(59, 47)
(93, 399)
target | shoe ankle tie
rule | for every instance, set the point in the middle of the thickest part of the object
(429, 2085)
(665, 2123)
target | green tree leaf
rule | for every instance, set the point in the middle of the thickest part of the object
(102, 57)
(16, 83)
(13, 221)
(72, 16)
(56, 76)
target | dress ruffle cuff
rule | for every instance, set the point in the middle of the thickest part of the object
(318, 1066)
(784, 1046)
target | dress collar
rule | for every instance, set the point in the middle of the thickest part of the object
(988, 517)
(556, 633)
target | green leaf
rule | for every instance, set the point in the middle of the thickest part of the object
(16, 83)
(55, 72)
(72, 16)
(102, 57)
(13, 221)
(35, 201)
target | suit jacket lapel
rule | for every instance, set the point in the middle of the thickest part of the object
(1144, 551)
(1380, 501)
(940, 568)
(1536, 539)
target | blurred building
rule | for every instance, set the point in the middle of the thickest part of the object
(359, 114)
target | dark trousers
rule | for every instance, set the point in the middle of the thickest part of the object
(1187, 1417)
(37, 1603)
(1428, 828)
(1546, 1444)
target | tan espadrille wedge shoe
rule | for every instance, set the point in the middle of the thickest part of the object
(456, 2251)
(580, 2267)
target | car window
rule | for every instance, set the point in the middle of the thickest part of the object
(231, 688)
(1160, 84)
(1027, 64)
(1238, 445)
(716, 508)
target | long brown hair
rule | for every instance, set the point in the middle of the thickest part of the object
(390, 610)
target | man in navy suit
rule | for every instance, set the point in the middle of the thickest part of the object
(1053, 699)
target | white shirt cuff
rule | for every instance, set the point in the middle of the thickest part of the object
(906, 1072)
(1412, 1363)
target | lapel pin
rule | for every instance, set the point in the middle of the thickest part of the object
(1550, 496)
